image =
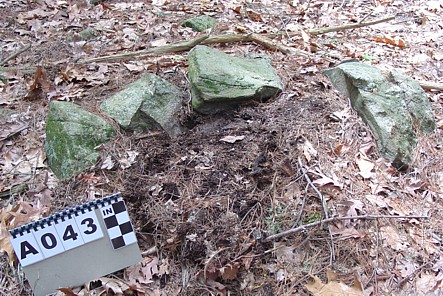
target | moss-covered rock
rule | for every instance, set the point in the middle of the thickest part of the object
(148, 103)
(72, 136)
(219, 81)
(200, 23)
(394, 106)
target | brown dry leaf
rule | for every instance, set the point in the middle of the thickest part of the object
(397, 207)
(10, 129)
(351, 206)
(218, 286)
(378, 186)
(308, 151)
(113, 285)
(5, 244)
(339, 150)
(230, 271)
(134, 68)
(25, 213)
(127, 161)
(415, 184)
(254, 16)
(365, 166)
(392, 239)
(366, 148)
(40, 87)
(159, 42)
(391, 41)
(377, 200)
(333, 287)
(426, 283)
(67, 291)
(142, 273)
(286, 254)
(325, 180)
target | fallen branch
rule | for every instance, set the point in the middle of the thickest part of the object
(170, 48)
(263, 39)
(21, 50)
(349, 26)
(313, 224)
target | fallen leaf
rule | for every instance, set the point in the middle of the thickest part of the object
(218, 286)
(11, 129)
(108, 164)
(286, 254)
(325, 180)
(254, 16)
(392, 238)
(348, 232)
(406, 268)
(232, 139)
(377, 200)
(308, 151)
(426, 283)
(391, 41)
(365, 166)
(333, 288)
(142, 273)
(114, 285)
(134, 68)
(40, 87)
(126, 162)
(230, 271)
(67, 291)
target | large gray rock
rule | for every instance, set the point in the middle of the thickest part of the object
(219, 81)
(394, 106)
(148, 103)
(72, 135)
(200, 23)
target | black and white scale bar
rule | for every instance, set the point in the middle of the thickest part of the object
(118, 224)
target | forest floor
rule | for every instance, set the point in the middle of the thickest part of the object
(206, 211)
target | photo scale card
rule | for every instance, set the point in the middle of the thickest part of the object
(76, 245)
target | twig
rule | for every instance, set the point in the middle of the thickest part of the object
(325, 208)
(151, 251)
(377, 247)
(349, 26)
(23, 49)
(429, 85)
(333, 219)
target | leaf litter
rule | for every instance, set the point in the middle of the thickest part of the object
(204, 199)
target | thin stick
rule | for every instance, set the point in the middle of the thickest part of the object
(325, 208)
(349, 26)
(333, 219)
(429, 85)
(23, 49)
